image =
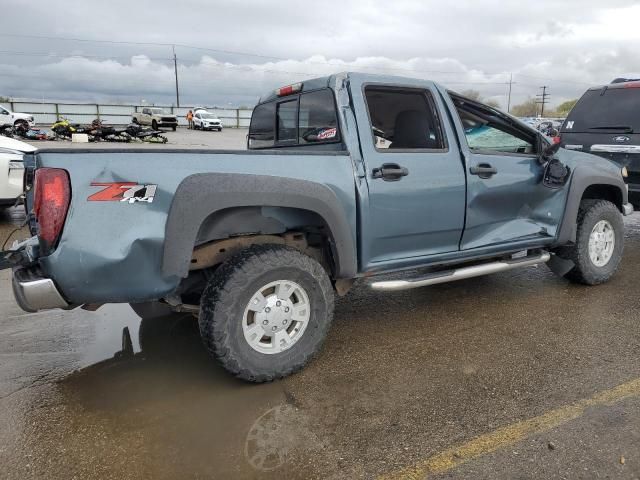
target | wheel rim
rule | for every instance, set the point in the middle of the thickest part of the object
(602, 242)
(276, 317)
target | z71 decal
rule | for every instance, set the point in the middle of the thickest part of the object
(129, 192)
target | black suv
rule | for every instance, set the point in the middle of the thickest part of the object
(606, 122)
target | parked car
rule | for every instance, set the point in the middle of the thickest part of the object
(257, 242)
(156, 117)
(606, 122)
(15, 119)
(204, 120)
(12, 169)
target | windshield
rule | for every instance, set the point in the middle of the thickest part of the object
(618, 109)
(157, 111)
(208, 116)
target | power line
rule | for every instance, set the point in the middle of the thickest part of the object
(258, 55)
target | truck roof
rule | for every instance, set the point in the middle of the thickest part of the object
(324, 82)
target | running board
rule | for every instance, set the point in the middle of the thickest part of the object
(461, 273)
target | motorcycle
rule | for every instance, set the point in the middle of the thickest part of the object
(145, 134)
(64, 129)
(100, 131)
(24, 131)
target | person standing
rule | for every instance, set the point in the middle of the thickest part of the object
(190, 119)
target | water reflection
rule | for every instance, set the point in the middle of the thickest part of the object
(161, 385)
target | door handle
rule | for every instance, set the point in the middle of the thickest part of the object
(390, 172)
(483, 170)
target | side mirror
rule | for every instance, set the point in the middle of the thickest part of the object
(547, 152)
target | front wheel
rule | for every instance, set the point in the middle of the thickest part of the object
(265, 312)
(154, 125)
(174, 128)
(599, 243)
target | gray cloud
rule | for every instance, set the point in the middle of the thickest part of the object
(466, 44)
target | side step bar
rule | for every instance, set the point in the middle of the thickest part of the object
(461, 273)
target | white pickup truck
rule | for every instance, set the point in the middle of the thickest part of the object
(156, 117)
(12, 169)
(7, 117)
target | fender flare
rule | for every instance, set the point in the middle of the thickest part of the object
(583, 177)
(203, 194)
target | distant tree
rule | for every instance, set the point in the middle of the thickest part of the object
(493, 103)
(4, 99)
(529, 108)
(564, 108)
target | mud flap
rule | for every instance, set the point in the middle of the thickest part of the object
(560, 266)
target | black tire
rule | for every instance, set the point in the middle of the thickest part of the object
(134, 120)
(228, 293)
(585, 271)
(21, 123)
(174, 128)
(154, 124)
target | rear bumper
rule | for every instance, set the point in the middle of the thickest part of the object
(34, 292)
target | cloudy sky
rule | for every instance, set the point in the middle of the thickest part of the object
(230, 52)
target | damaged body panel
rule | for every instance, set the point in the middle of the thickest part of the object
(380, 174)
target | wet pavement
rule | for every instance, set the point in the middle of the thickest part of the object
(402, 377)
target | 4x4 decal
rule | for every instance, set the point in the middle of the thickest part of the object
(130, 192)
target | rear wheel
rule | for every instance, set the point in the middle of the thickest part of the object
(265, 312)
(154, 124)
(174, 128)
(599, 243)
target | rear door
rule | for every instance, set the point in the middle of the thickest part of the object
(416, 185)
(506, 200)
(606, 122)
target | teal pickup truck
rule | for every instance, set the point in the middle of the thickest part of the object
(345, 177)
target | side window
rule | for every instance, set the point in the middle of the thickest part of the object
(262, 131)
(488, 132)
(404, 119)
(489, 138)
(3, 111)
(317, 117)
(146, 111)
(286, 120)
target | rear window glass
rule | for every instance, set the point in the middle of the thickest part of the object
(261, 132)
(287, 121)
(305, 119)
(618, 107)
(318, 121)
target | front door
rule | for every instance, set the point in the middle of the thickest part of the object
(415, 177)
(506, 200)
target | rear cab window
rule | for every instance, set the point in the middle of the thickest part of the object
(404, 119)
(606, 110)
(305, 119)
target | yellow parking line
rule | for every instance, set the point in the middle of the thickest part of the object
(502, 437)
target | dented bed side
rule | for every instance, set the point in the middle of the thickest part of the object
(112, 251)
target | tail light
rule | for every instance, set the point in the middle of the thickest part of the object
(51, 203)
(289, 89)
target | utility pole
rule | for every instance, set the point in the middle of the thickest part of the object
(175, 69)
(509, 98)
(543, 99)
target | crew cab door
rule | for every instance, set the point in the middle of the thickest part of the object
(507, 202)
(415, 179)
(145, 117)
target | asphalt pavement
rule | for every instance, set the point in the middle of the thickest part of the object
(515, 375)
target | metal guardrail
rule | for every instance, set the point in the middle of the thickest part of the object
(47, 113)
